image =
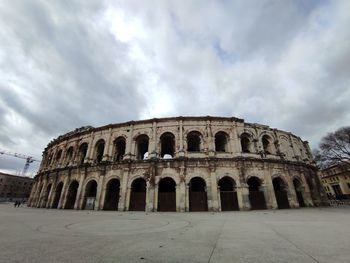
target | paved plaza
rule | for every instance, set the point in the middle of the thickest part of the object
(294, 235)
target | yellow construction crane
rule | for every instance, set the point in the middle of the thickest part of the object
(29, 159)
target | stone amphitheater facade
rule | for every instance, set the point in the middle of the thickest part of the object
(177, 164)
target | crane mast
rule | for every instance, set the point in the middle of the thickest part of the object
(29, 159)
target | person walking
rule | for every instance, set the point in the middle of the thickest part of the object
(15, 204)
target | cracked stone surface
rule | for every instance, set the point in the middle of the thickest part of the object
(293, 235)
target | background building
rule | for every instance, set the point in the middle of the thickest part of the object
(336, 181)
(14, 188)
(178, 164)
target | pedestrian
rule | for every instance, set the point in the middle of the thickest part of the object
(19, 203)
(15, 204)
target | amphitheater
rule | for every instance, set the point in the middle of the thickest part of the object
(177, 164)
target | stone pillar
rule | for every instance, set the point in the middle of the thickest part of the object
(292, 196)
(213, 205)
(129, 143)
(243, 197)
(187, 198)
(181, 141)
(106, 154)
(79, 201)
(89, 155)
(210, 140)
(42, 194)
(52, 192)
(123, 204)
(180, 194)
(98, 203)
(64, 193)
(219, 198)
(152, 145)
(156, 191)
(32, 193)
(306, 192)
(269, 194)
(127, 198)
(150, 192)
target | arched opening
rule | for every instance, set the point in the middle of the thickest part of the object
(69, 155)
(198, 195)
(58, 157)
(281, 193)
(194, 142)
(119, 149)
(167, 145)
(228, 194)
(245, 143)
(100, 147)
(82, 153)
(71, 195)
(90, 195)
(112, 195)
(267, 144)
(167, 195)
(46, 195)
(138, 195)
(57, 196)
(299, 191)
(142, 147)
(256, 196)
(221, 142)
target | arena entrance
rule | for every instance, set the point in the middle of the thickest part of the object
(228, 195)
(112, 195)
(280, 193)
(298, 191)
(256, 197)
(90, 195)
(72, 195)
(198, 195)
(58, 192)
(167, 195)
(138, 195)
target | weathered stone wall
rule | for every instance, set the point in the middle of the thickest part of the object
(272, 154)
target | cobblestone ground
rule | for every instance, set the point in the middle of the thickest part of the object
(294, 235)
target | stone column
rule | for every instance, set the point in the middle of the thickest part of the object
(79, 201)
(306, 192)
(123, 204)
(32, 193)
(89, 155)
(243, 197)
(52, 192)
(42, 194)
(181, 142)
(187, 198)
(64, 193)
(292, 196)
(156, 197)
(210, 140)
(180, 203)
(219, 198)
(98, 203)
(152, 147)
(149, 198)
(106, 154)
(129, 144)
(214, 204)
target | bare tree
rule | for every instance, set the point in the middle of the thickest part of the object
(334, 148)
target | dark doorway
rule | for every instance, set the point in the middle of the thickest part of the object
(119, 149)
(71, 195)
(112, 195)
(141, 147)
(57, 197)
(221, 140)
(167, 195)
(193, 142)
(198, 195)
(228, 195)
(82, 153)
(299, 192)
(256, 196)
(90, 195)
(100, 147)
(281, 193)
(245, 143)
(138, 195)
(167, 146)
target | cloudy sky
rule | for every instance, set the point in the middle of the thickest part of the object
(66, 64)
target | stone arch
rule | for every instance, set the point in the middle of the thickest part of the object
(221, 142)
(167, 144)
(198, 200)
(112, 194)
(228, 194)
(194, 141)
(90, 192)
(246, 140)
(167, 195)
(141, 149)
(119, 145)
(82, 152)
(99, 150)
(57, 195)
(267, 144)
(71, 194)
(69, 156)
(138, 195)
(299, 190)
(280, 188)
(256, 194)
(45, 197)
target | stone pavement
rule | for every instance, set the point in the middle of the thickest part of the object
(294, 235)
